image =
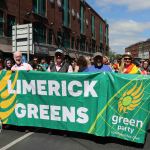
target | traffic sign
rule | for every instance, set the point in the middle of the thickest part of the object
(22, 38)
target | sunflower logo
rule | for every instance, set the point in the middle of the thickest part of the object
(7, 105)
(131, 99)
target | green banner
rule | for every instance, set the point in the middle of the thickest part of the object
(102, 104)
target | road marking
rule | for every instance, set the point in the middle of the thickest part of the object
(16, 141)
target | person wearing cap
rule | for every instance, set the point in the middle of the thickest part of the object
(60, 65)
(98, 65)
(19, 65)
(127, 66)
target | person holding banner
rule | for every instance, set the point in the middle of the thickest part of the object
(127, 67)
(19, 65)
(98, 65)
(59, 65)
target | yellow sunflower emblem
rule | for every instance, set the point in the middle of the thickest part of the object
(131, 98)
(6, 100)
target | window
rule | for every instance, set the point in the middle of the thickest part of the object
(50, 36)
(1, 23)
(101, 47)
(82, 43)
(39, 33)
(82, 19)
(72, 43)
(87, 46)
(77, 43)
(101, 32)
(65, 14)
(66, 39)
(93, 45)
(39, 7)
(93, 26)
(11, 20)
(107, 39)
(59, 38)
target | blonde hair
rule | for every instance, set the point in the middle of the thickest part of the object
(121, 68)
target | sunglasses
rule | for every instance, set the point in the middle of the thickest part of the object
(127, 58)
(58, 55)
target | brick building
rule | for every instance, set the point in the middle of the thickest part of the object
(140, 49)
(71, 24)
(133, 49)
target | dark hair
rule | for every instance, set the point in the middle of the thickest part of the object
(5, 62)
(82, 63)
(7, 59)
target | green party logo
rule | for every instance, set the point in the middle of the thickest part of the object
(131, 98)
(127, 125)
(7, 101)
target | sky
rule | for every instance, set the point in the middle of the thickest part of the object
(129, 21)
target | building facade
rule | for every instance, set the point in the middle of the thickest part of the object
(133, 49)
(140, 49)
(69, 24)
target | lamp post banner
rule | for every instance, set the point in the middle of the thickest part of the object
(102, 104)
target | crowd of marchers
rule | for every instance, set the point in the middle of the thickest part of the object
(97, 63)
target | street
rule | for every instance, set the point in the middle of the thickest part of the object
(41, 139)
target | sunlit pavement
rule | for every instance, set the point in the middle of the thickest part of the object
(43, 139)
